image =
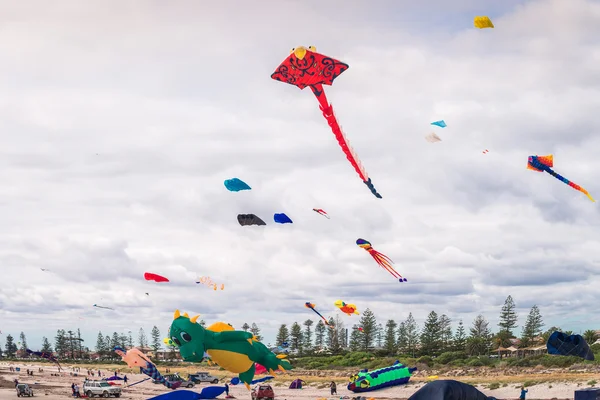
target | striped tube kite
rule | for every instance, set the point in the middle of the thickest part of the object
(384, 261)
(135, 358)
(310, 305)
(305, 67)
(545, 163)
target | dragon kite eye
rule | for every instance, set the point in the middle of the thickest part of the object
(292, 50)
(176, 341)
(186, 337)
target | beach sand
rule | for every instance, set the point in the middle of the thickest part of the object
(59, 387)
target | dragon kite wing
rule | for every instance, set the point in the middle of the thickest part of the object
(545, 163)
(384, 261)
(310, 305)
(304, 67)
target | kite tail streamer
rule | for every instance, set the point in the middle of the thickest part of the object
(327, 110)
(133, 384)
(385, 262)
(568, 182)
(153, 373)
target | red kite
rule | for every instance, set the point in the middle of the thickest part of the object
(305, 67)
(149, 276)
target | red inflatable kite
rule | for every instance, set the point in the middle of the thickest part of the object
(305, 67)
(153, 277)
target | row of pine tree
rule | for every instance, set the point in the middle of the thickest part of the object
(434, 338)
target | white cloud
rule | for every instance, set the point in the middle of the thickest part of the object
(120, 122)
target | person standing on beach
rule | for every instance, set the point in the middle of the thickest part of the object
(125, 379)
(333, 388)
(226, 389)
(523, 393)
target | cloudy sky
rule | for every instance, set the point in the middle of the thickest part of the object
(120, 120)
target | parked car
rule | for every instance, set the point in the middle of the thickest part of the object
(23, 390)
(100, 388)
(176, 378)
(262, 392)
(200, 377)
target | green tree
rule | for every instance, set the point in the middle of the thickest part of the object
(23, 341)
(460, 337)
(283, 335)
(320, 335)
(369, 324)
(340, 335)
(255, 330)
(296, 338)
(80, 345)
(61, 343)
(533, 327)
(156, 342)
(508, 317)
(116, 340)
(590, 336)
(108, 344)
(480, 339)
(100, 345)
(142, 340)
(380, 335)
(307, 336)
(402, 340)
(245, 327)
(10, 347)
(46, 347)
(431, 335)
(445, 333)
(333, 342)
(412, 335)
(390, 337)
(355, 340)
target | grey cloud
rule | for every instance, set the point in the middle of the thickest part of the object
(119, 131)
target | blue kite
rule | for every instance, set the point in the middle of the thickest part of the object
(210, 392)
(441, 123)
(282, 219)
(235, 185)
(236, 380)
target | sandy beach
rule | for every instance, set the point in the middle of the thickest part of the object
(58, 387)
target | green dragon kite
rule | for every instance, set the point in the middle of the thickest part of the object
(235, 351)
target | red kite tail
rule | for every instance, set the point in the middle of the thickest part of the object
(351, 155)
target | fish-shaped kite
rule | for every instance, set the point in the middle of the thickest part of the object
(249, 219)
(322, 212)
(235, 185)
(304, 67)
(346, 308)
(384, 261)
(310, 305)
(545, 163)
(482, 22)
(149, 276)
(281, 218)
